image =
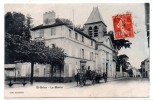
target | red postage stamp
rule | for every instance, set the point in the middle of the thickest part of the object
(123, 27)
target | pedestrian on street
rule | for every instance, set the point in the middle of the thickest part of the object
(105, 77)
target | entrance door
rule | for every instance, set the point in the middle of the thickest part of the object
(82, 64)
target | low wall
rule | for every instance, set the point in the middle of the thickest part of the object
(42, 79)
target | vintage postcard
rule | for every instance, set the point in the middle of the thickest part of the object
(77, 50)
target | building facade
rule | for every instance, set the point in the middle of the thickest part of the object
(145, 68)
(88, 48)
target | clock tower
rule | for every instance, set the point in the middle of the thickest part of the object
(95, 26)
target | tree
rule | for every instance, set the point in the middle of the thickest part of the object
(31, 52)
(118, 44)
(54, 56)
(130, 72)
(19, 47)
(70, 23)
(122, 63)
(37, 52)
(9, 55)
(18, 24)
(17, 30)
(67, 21)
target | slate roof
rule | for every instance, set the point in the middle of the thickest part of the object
(58, 22)
(95, 17)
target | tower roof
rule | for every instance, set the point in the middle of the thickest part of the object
(95, 16)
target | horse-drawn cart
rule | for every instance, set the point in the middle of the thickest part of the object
(83, 75)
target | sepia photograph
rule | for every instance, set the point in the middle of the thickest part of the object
(84, 50)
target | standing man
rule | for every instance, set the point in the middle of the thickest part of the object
(105, 77)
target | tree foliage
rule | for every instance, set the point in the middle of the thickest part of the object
(118, 44)
(122, 60)
(17, 30)
(130, 72)
(70, 23)
(31, 52)
(18, 24)
(67, 21)
(55, 57)
(19, 47)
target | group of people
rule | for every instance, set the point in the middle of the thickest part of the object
(88, 72)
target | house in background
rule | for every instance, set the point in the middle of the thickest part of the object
(9, 71)
(145, 68)
(135, 72)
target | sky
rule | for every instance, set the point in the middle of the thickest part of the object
(139, 50)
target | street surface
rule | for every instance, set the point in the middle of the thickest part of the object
(127, 87)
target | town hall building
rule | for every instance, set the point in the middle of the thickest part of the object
(88, 48)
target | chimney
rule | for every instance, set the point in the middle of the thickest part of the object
(49, 18)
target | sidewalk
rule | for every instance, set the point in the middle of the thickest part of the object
(118, 78)
(67, 85)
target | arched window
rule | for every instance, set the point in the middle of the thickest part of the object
(95, 31)
(90, 31)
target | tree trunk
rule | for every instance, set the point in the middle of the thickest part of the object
(52, 67)
(61, 67)
(121, 70)
(32, 68)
